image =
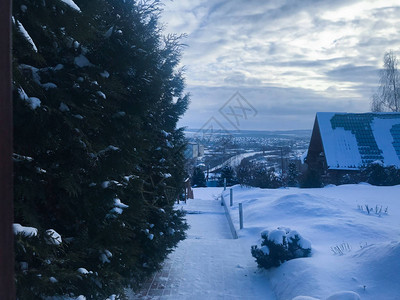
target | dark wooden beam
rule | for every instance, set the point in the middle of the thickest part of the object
(7, 290)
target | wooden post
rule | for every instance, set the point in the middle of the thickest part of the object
(231, 197)
(241, 215)
(7, 290)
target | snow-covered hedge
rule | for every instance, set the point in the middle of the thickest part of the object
(278, 246)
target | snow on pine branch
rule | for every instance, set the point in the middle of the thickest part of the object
(24, 230)
(118, 206)
(32, 101)
(54, 238)
(72, 4)
(25, 33)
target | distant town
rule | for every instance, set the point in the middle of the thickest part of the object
(274, 149)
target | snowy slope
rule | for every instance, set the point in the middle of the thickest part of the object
(329, 217)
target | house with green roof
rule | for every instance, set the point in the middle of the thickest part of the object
(350, 141)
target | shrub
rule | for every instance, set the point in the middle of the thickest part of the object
(293, 174)
(229, 174)
(257, 175)
(278, 246)
(198, 178)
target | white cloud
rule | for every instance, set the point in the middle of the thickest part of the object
(321, 47)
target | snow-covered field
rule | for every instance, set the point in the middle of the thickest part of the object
(351, 250)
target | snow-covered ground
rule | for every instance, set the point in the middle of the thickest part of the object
(355, 255)
(209, 264)
(332, 219)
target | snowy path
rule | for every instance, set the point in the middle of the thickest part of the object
(209, 264)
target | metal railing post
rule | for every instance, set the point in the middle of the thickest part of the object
(241, 215)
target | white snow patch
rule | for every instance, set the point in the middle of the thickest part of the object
(101, 94)
(72, 4)
(33, 102)
(105, 74)
(108, 183)
(265, 250)
(109, 32)
(49, 85)
(82, 61)
(58, 67)
(346, 295)
(166, 134)
(127, 178)
(40, 170)
(18, 157)
(34, 72)
(384, 140)
(342, 149)
(24, 230)
(117, 210)
(54, 237)
(108, 253)
(104, 257)
(53, 280)
(83, 271)
(63, 107)
(276, 236)
(118, 203)
(109, 148)
(22, 94)
(113, 148)
(26, 35)
(120, 114)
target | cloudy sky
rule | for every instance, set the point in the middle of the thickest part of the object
(288, 59)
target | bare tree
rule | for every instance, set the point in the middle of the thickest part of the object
(387, 97)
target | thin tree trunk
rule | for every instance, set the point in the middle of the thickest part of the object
(7, 290)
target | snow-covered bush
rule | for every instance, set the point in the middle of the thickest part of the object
(278, 246)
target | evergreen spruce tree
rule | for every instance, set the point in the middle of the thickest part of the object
(293, 174)
(98, 157)
(228, 173)
(198, 178)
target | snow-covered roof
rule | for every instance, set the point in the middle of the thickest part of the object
(353, 140)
